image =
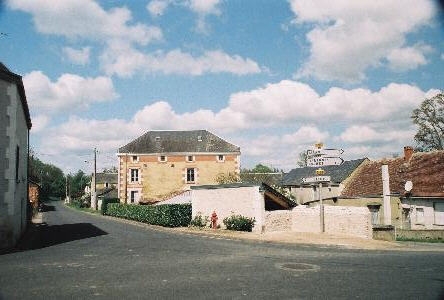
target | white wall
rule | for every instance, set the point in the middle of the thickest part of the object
(245, 201)
(429, 213)
(341, 220)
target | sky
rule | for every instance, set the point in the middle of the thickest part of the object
(273, 77)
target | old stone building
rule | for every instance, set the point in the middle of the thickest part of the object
(159, 164)
(15, 123)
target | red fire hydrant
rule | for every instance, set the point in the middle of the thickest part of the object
(214, 220)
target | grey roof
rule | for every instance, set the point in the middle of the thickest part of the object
(106, 177)
(193, 141)
(337, 173)
(7, 75)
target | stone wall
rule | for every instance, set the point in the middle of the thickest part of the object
(352, 221)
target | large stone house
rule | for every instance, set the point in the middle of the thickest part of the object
(15, 123)
(159, 164)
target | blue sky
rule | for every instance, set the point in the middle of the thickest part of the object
(273, 77)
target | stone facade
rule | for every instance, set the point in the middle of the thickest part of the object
(158, 178)
(14, 135)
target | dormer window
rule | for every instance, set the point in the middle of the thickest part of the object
(157, 138)
(134, 158)
(221, 158)
(199, 138)
(162, 158)
(190, 158)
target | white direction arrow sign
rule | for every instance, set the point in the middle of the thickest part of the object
(316, 179)
(324, 152)
(319, 161)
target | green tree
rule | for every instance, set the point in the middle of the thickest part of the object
(50, 178)
(260, 168)
(429, 118)
(77, 183)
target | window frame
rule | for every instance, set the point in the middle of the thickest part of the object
(187, 158)
(134, 177)
(191, 174)
(419, 220)
(134, 158)
(159, 158)
(218, 158)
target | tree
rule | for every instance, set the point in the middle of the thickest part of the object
(260, 168)
(78, 182)
(429, 118)
(50, 178)
(112, 169)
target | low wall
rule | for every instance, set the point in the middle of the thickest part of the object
(384, 233)
(420, 234)
(279, 220)
(352, 221)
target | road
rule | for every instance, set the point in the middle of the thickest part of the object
(82, 256)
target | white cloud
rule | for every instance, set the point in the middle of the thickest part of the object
(350, 36)
(157, 7)
(77, 56)
(124, 60)
(205, 7)
(408, 58)
(85, 19)
(281, 120)
(70, 91)
(39, 122)
(365, 134)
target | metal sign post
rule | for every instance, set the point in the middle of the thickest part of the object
(318, 157)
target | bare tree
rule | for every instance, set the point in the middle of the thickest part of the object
(430, 120)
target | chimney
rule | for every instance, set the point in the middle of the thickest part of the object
(408, 152)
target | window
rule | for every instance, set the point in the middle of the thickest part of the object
(133, 196)
(220, 158)
(190, 158)
(17, 160)
(374, 212)
(419, 215)
(106, 184)
(135, 158)
(162, 158)
(439, 213)
(190, 175)
(134, 175)
(199, 138)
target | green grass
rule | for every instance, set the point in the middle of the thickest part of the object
(425, 240)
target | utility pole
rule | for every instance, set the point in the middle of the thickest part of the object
(94, 204)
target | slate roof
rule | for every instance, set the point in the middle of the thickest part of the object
(192, 141)
(424, 169)
(7, 75)
(106, 177)
(337, 173)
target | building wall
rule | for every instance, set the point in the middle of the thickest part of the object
(245, 201)
(278, 220)
(13, 184)
(428, 219)
(158, 180)
(306, 194)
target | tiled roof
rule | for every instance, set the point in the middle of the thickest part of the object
(106, 177)
(425, 170)
(193, 141)
(337, 173)
(7, 75)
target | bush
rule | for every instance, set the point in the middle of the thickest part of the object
(105, 203)
(173, 215)
(200, 221)
(239, 223)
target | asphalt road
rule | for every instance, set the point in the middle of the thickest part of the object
(81, 256)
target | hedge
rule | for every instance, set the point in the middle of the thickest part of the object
(107, 201)
(167, 215)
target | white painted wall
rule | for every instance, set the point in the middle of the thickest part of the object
(427, 205)
(245, 201)
(341, 220)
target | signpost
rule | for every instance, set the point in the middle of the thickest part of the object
(319, 157)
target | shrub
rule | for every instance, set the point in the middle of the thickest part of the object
(239, 223)
(200, 221)
(105, 203)
(168, 215)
